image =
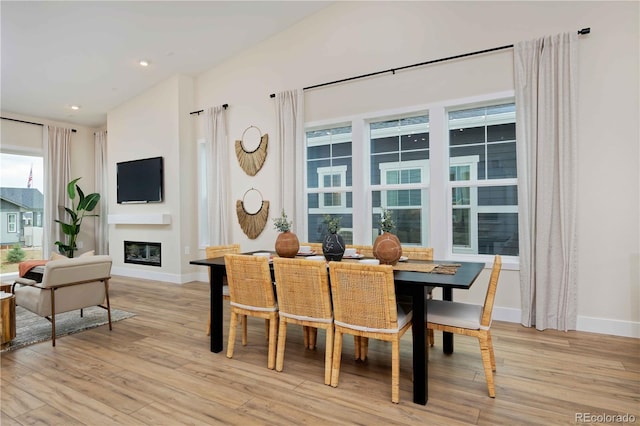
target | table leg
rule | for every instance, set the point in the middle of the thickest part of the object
(447, 338)
(215, 291)
(418, 329)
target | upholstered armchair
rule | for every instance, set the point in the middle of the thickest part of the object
(67, 285)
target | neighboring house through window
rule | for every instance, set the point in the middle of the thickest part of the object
(469, 167)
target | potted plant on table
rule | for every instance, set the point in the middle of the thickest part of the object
(387, 248)
(77, 212)
(287, 244)
(333, 244)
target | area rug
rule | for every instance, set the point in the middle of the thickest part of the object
(32, 328)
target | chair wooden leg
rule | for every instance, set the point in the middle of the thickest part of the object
(493, 356)
(266, 329)
(313, 337)
(244, 330)
(273, 339)
(233, 324)
(328, 356)
(431, 337)
(364, 348)
(305, 331)
(337, 353)
(282, 337)
(395, 370)
(486, 363)
(356, 347)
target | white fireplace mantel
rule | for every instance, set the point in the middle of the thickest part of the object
(139, 219)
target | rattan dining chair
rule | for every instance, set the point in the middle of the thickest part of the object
(251, 294)
(316, 247)
(364, 304)
(421, 253)
(211, 252)
(470, 320)
(366, 251)
(304, 298)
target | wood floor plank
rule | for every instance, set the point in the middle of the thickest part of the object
(156, 368)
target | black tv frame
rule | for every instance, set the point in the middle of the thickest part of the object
(137, 172)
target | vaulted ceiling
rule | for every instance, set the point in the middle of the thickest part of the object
(57, 54)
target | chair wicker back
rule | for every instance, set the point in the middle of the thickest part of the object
(470, 320)
(364, 304)
(212, 252)
(418, 253)
(317, 247)
(251, 294)
(366, 251)
(304, 298)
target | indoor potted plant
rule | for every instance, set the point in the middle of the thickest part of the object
(387, 248)
(77, 212)
(287, 244)
(332, 243)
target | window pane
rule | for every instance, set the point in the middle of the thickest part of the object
(482, 147)
(497, 195)
(461, 229)
(329, 165)
(498, 233)
(22, 206)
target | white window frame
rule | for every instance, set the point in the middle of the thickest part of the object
(423, 186)
(323, 172)
(12, 223)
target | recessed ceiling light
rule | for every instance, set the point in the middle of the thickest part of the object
(144, 63)
(75, 107)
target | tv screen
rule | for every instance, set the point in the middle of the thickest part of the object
(140, 181)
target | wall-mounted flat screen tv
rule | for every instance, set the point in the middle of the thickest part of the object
(140, 181)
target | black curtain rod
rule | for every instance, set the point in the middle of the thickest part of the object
(393, 70)
(29, 122)
(225, 106)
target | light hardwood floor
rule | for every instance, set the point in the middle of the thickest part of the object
(156, 369)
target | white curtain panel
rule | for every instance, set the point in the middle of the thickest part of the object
(101, 227)
(290, 137)
(546, 108)
(219, 219)
(57, 154)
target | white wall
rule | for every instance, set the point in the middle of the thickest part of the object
(352, 38)
(153, 124)
(26, 139)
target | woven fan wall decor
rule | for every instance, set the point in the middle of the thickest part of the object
(252, 224)
(252, 161)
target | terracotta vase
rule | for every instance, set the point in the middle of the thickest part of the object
(333, 247)
(387, 249)
(287, 244)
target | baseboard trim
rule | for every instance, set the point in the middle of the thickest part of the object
(587, 324)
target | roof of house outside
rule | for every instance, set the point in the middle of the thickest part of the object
(26, 198)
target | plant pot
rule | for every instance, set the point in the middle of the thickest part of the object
(387, 249)
(333, 247)
(287, 244)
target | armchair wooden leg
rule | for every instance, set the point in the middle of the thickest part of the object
(106, 292)
(53, 317)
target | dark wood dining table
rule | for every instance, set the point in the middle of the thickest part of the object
(413, 283)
